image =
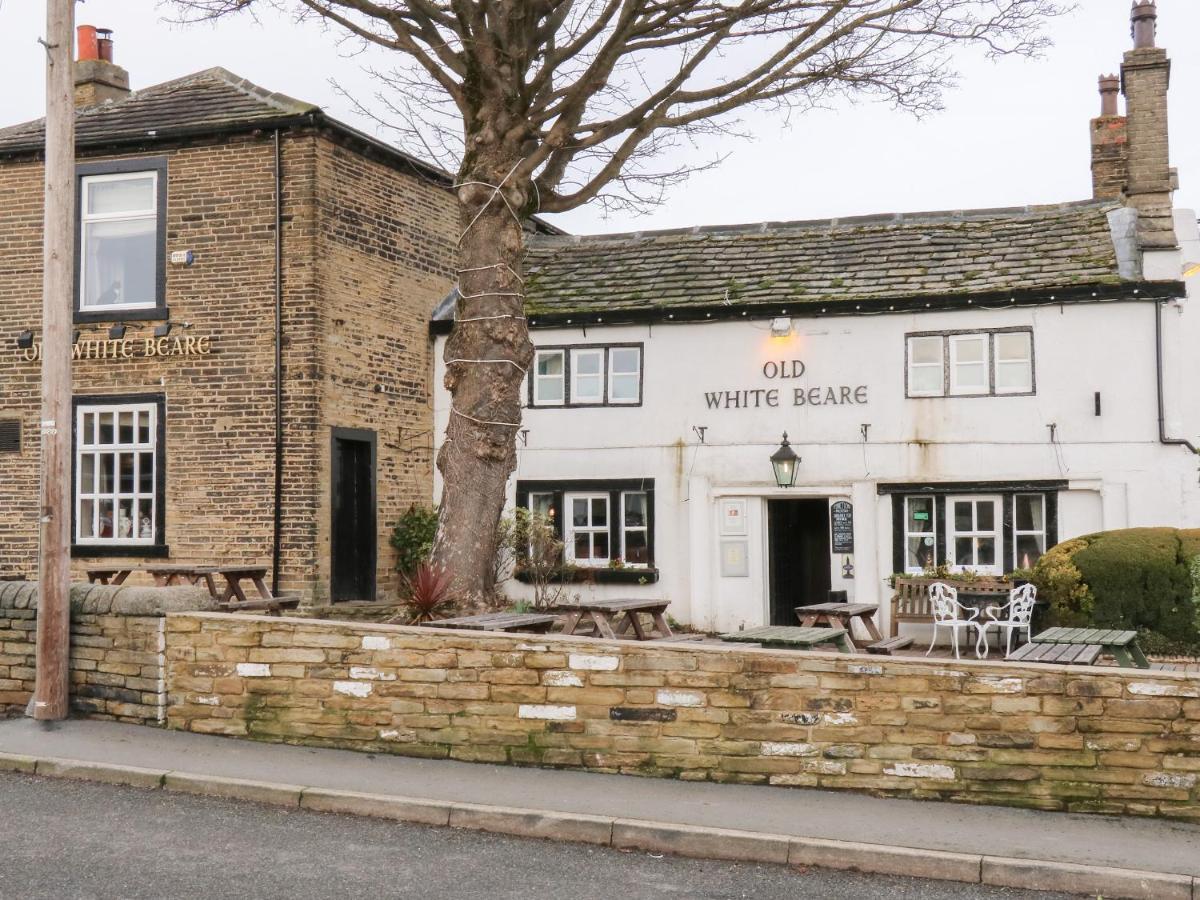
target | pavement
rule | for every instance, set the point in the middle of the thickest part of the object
(70, 840)
(1113, 856)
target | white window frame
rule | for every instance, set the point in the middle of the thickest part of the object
(86, 444)
(625, 529)
(940, 365)
(570, 530)
(86, 218)
(561, 377)
(997, 532)
(957, 340)
(1027, 388)
(601, 369)
(932, 533)
(637, 373)
(1018, 533)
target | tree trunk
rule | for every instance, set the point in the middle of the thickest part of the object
(486, 357)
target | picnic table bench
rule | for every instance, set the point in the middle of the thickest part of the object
(1121, 645)
(843, 614)
(232, 598)
(1059, 654)
(539, 623)
(614, 618)
(792, 636)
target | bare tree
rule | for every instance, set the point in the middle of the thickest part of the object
(544, 105)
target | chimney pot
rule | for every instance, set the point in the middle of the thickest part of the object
(1110, 86)
(1143, 23)
(88, 42)
(97, 78)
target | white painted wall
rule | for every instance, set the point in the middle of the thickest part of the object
(1119, 473)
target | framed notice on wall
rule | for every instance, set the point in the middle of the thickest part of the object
(733, 517)
(735, 559)
(841, 526)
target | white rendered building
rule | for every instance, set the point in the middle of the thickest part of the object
(964, 388)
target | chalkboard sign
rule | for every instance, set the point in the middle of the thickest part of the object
(841, 516)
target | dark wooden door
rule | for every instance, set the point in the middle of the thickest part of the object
(799, 556)
(352, 531)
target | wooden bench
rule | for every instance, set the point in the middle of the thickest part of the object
(790, 636)
(538, 623)
(888, 646)
(910, 603)
(1058, 654)
(266, 604)
(678, 638)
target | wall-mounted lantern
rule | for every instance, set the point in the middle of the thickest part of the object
(784, 461)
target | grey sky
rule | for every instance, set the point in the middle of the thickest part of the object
(1014, 132)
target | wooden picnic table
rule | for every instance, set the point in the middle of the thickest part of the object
(539, 623)
(176, 573)
(1122, 645)
(843, 614)
(614, 618)
(792, 636)
(1059, 654)
(113, 575)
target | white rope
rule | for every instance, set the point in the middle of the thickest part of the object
(486, 318)
(462, 296)
(484, 421)
(493, 266)
(496, 192)
(516, 366)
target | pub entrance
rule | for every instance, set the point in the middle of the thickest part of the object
(352, 529)
(798, 536)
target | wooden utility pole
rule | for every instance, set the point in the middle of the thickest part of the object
(50, 696)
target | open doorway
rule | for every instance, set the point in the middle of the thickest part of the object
(798, 532)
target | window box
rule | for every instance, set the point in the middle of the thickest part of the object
(589, 575)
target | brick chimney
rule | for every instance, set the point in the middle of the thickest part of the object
(1145, 76)
(1110, 170)
(97, 79)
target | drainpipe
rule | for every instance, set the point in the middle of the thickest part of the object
(1158, 361)
(278, 505)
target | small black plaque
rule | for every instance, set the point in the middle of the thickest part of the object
(841, 518)
(641, 714)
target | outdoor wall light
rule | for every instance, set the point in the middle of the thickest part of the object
(784, 461)
(162, 330)
(781, 327)
(116, 333)
(75, 336)
(25, 339)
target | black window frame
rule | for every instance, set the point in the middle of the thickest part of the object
(160, 310)
(990, 334)
(1006, 490)
(614, 488)
(159, 549)
(605, 402)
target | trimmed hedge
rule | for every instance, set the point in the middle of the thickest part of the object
(1146, 579)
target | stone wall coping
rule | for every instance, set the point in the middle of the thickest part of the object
(883, 663)
(114, 600)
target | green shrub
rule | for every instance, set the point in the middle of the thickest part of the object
(1147, 579)
(413, 537)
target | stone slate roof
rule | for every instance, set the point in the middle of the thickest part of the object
(877, 259)
(208, 102)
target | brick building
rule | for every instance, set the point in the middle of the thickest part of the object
(252, 362)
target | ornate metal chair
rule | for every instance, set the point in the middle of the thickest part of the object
(1015, 615)
(949, 613)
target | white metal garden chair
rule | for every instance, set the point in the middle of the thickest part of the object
(949, 613)
(1015, 615)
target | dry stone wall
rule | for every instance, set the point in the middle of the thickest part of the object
(117, 644)
(1094, 740)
